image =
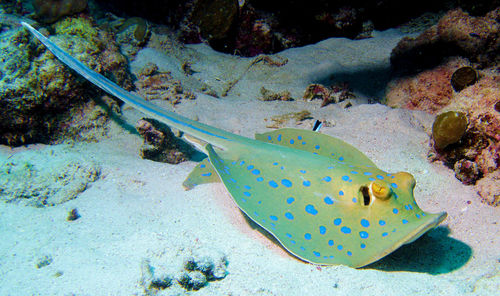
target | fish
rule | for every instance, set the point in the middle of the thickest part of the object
(323, 200)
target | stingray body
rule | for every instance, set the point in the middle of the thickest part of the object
(321, 198)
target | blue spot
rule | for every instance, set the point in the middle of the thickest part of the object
(395, 211)
(340, 247)
(322, 229)
(306, 183)
(259, 179)
(247, 187)
(365, 223)
(341, 193)
(371, 179)
(249, 167)
(302, 248)
(247, 194)
(234, 181)
(303, 143)
(345, 229)
(341, 158)
(423, 214)
(243, 200)
(394, 185)
(330, 167)
(380, 177)
(256, 214)
(269, 138)
(367, 173)
(363, 234)
(299, 137)
(293, 242)
(317, 146)
(302, 171)
(330, 243)
(345, 178)
(255, 172)
(407, 208)
(349, 253)
(311, 210)
(362, 246)
(273, 184)
(202, 166)
(242, 162)
(417, 215)
(381, 222)
(307, 236)
(206, 174)
(288, 235)
(279, 137)
(327, 178)
(354, 172)
(286, 183)
(337, 222)
(384, 234)
(291, 141)
(275, 163)
(290, 200)
(404, 221)
(282, 167)
(317, 254)
(328, 200)
(411, 208)
(289, 216)
(274, 218)
(354, 200)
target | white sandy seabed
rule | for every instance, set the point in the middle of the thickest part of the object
(138, 227)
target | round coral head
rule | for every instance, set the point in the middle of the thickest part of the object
(448, 128)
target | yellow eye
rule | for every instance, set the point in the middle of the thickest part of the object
(380, 190)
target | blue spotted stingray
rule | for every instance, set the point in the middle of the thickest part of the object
(321, 198)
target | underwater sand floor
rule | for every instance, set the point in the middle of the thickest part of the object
(137, 213)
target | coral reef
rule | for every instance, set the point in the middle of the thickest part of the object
(160, 144)
(463, 89)
(38, 91)
(45, 177)
(152, 84)
(49, 11)
(214, 18)
(428, 91)
(334, 94)
(476, 158)
(132, 34)
(194, 273)
(456, 33)
(268, 95)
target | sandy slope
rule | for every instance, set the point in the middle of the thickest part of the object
(138, 214)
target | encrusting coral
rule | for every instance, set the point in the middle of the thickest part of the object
(39, 93)
(457, 33)
(464, 90)
(160, 144)
(160, 85)
(49, 11)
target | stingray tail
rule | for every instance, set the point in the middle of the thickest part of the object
(209, 134)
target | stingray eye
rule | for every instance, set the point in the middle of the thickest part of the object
(379, 190)
(365, 191)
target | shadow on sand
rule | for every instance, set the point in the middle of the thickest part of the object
(434, 253)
